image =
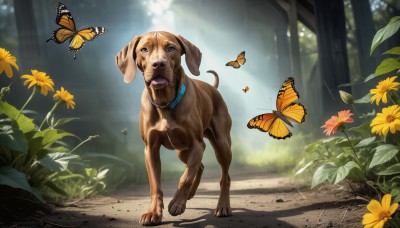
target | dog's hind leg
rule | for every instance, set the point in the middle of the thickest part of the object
(221, 142)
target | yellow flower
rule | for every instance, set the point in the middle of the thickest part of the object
(380, 92)
(6, 60)
(389, 119)
(39, 79)
(65, 96)
(380, 213)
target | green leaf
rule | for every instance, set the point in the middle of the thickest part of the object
(363, 129)
(69, 176)
(396, 197)
(57, 161)
(366, 142)
(371, 76)
(384, 153)
(15, 179)
(61, 122)
(102, 174)
(56, 189)
(310, 163)
(364, 100)
(24, 123)
(323, 173)
(393, 51)
(44, 138)
(343, 171)
(386, 66)
(393, 169)
(13, 139)
(51, 135)
(385, 32)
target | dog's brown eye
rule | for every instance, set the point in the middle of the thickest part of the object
(144, 49)
(171, 49)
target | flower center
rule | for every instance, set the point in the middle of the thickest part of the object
(40, 80)
(383, 215)
(389, 118)
(385, 87)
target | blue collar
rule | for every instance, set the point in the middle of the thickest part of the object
(172, 105)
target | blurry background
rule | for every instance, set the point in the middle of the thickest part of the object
(320, 43)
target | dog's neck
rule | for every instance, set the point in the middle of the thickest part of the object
(163, 97)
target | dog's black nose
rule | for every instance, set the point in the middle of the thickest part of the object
(159, 64)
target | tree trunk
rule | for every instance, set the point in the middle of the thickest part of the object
(29, 51)
(333, 59)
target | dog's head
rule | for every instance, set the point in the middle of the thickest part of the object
(158, 56)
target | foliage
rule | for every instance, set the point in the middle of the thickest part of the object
(367, 155)
(36, 165)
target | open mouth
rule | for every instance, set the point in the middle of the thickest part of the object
(158, 82)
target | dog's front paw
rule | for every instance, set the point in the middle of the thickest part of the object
(150, 219)
(223, 212)
(176, 207)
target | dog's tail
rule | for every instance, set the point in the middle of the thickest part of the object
(216, 82)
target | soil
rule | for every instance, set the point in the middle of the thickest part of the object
(257, 201)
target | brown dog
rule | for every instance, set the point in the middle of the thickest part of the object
(177, 112)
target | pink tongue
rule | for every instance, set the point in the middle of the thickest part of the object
(159, 83)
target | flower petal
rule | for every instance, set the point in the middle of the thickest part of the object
(386, 200)
(370, 218)
(2, 66)
(14, 64)
(384, 98)
(380, 224)
(8, 70)
(374, 207)
(393, 208)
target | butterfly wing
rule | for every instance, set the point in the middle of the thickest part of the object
(61, 35)
(65, 20)
(89, 34)
(295, 112)
(246, 89)
(64, 17)
(270, 123)
(235, 64)
(262, 122)
(278, 129)
(287, 94)
(241, 59)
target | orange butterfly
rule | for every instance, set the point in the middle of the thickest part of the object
(246, 89)
(287, 110)
(240, 60)
(68, 30)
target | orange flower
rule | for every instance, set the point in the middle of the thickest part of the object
(334, 122)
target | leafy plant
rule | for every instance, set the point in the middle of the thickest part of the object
(35, 165)
(366, 156)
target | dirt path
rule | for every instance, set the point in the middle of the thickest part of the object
(257, 201)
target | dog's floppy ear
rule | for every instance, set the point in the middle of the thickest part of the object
(126, 60)
(192, 55)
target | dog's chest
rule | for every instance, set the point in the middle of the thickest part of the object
(173, 135)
